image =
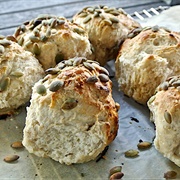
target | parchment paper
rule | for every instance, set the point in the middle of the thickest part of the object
(150, 164)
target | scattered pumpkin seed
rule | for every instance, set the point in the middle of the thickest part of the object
(170, 175)
(4, 82)
(2, 36)
(167, 117)
(115, 170)
(114, 12)
(36, 49)
(176, 83)
(92, 79)
(103, 78)
(17, 145)
(61, 21)
(83, 14)
(104, 71)
(116, 176)
(144, 145)
(56, 85)
(164, 86)
(43, 38)
(77, 61)
(17, 31)
(41, 89)
(131, 153)
(107, 22)
(69, 104)
(28, 43)
(79, 30)
(11, 158)
(61, 65)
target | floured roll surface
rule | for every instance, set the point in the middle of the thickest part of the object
(146, 59)
(19, 70)
(107, 28)
(165, 113)
(52, 39)
(72, 116)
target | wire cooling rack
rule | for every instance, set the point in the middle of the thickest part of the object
(148, 13)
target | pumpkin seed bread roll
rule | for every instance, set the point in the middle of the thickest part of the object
(19, 70)
(72, 116)
(53, 39)
(165, 113)
(145, 60)
(107, 28)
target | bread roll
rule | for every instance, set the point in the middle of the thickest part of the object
(165, 113)
(107, 28)
(72, 116)
(19, 70)
(146, 59)
(53, 39)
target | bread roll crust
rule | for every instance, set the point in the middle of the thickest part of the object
(19, 71)
(75, 123)
(165, 113)
(145, 60)
(107, 28)
(52, 39)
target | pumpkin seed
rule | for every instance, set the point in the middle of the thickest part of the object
(36, 49)
(11, 38)
(2, 49)
(5, 42)
(170, 175)
(20, 41)
(115, 170)
(17, 145)
(92, 79)
(114, 19)
(164, 86)
(167, 117)
(176, 83)
(90, 9)
(48, 32)
(59, 57)
(61, 65)
(16, 74)
(56, 85)
(41, 89)
(61, 21)
(114, 12)
(131, 153)
(87, 19)
(107, 22)
(88, 66)
(23, 28)
(36, 32)
(11, 158)
(155, 28)
(96, 14)
(83, 14)
(27, 44)
(43, 38)
(102, 16)
(2, 36)
(79, 31)
(53, 23)
(77, 61)
(131, 35)
(144, 145)
(103, 78)
(33, 38)
(69, 104)
(52, 71)
(116, 176)
(104, 71)
(17, 31)
(4, 82)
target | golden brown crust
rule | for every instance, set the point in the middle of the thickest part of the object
(146, 59)
(107, 28)
(78, 103)
(52, 39)
(165, 111)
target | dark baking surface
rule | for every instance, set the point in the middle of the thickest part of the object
(15, 12)
(134, 122)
